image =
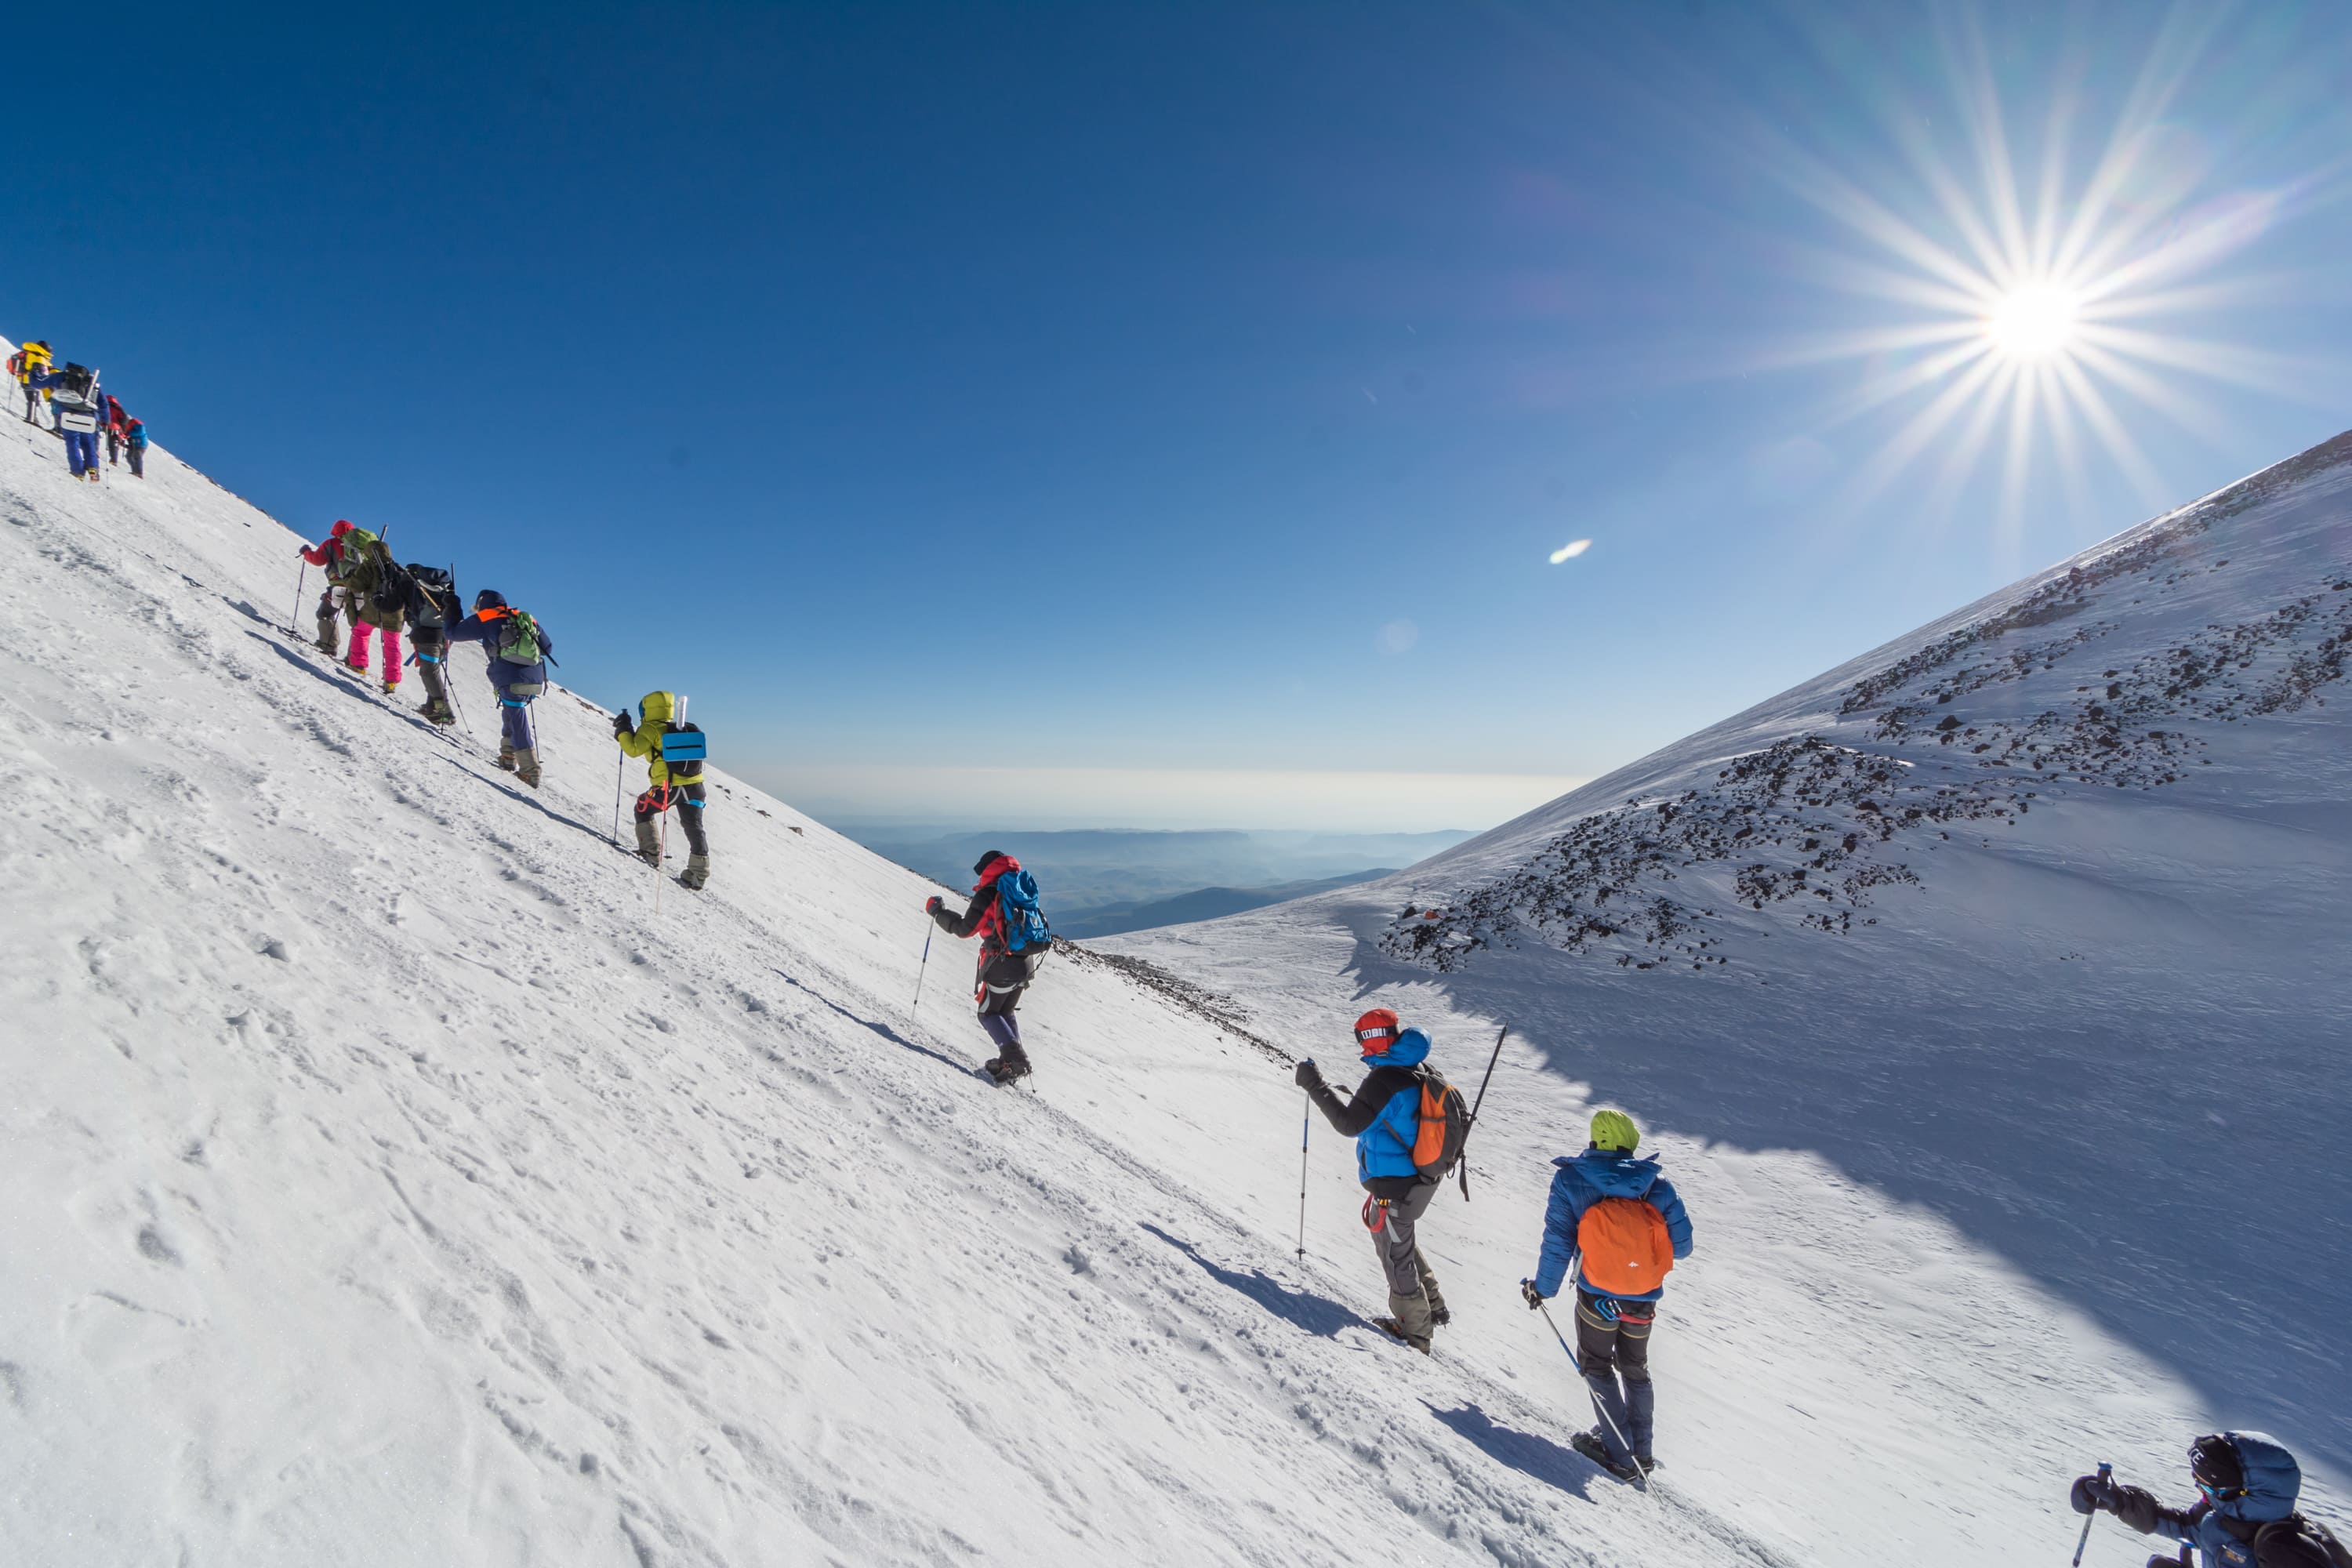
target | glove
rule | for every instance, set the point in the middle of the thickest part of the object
(1533, 1296)
(1307, 1075)
(935, 905)
(2092, 1493)
(620, 725)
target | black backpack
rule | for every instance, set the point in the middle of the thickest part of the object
(427, 595)
(2295, 1541)
(74, 387)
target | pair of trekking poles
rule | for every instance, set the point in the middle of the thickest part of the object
(1306, 1127)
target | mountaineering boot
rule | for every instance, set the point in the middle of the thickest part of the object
(1591, 1445)
(527, 765)
(1008, 1068)
(506, 755)
(696, 873)
(1395, 1330)
(392, 688)
(326, 639)
(436, 710)
(649, 842)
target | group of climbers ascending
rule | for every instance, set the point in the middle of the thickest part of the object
(81, 409)
(380, 596)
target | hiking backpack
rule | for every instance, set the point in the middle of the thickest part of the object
(2295, 1541)
(393, 586)
(1625, 1246)
(683, 750)
(1444, 1128)
(1018, 916)
(519, 643)
(430, 598)
(74, 391)
(352, 558)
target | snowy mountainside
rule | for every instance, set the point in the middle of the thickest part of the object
(2033, 924)
(395, 1173)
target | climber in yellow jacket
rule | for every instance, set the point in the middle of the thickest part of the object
(673, 777)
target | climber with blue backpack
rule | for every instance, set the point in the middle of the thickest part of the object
(1014, 940)
(520, 650)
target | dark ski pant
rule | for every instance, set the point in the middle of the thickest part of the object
(32, 406)
(517, 685)
(1004, 977)
(431, 651)
(1612, 1344)
(81, 451)
(689, 799)
(113, 445)
(137, 455)
(1413, 1294)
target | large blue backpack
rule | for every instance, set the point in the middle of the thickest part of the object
(1023, 924)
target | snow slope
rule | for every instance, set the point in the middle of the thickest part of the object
(1989, 996)
(389, 1178)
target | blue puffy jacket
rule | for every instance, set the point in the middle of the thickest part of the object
(2272, 1481)
(1385, 1113)
(1584, 1180)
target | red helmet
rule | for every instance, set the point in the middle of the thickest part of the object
(1376, 1031)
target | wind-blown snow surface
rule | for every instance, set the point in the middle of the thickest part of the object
(387, 1180)
(1989, 996)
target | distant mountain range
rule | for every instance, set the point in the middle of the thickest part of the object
(1202, 904)
(1097, 881)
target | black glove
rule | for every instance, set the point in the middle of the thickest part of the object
(935, 906)
(620, 725)
(1533, 1296)
(2092, 1493)
(1307, 1075)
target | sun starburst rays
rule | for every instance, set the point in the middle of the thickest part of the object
(2021, 307)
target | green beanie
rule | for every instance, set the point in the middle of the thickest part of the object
(1614, 1129)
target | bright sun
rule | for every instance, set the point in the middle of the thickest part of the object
(2033, 322)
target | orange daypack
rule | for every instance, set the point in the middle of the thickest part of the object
(1444, 1127)
(1625, 1246)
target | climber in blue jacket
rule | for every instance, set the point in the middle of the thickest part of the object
(2246, 1488)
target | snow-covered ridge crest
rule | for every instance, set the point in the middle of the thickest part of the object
(2195, 641)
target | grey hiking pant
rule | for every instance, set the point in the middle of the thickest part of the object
(1413, 1294)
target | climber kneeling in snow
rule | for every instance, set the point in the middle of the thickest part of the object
(1622, 1225)
(2244, 1515)
(670, 780)
(1014, 938)
(518, 649)
(1384, 1116)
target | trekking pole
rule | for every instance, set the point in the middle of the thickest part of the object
(923, 968)
(665, 855)
(620, 774)
(2106, 1470)
(301, 575)
(1481, 1101)
(1306, 1120)
(1577, 1362)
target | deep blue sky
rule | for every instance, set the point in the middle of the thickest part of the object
(1090, 391)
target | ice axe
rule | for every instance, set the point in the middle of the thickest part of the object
(1472, 1125)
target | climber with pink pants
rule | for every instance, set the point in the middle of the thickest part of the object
(355, 563)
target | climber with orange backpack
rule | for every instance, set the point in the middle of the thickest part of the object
(1621, 1224)
(1409, 1125)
